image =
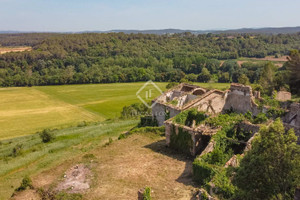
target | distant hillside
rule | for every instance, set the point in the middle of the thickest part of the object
(267, 30)
(282, 30)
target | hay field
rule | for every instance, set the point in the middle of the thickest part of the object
(25, 111)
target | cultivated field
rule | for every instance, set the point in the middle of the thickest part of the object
(25, 111)
(13, 49)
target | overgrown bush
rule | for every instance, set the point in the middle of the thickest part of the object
(181, 141)
(223, 184)
(171, 84)
(187, 117)
(202, 172)
(46, 135)
(274, 112)
(218, 156)
(17, 150)
(260, 118)
(148, 121)
(147, 194)
(135, 110)
(26, 182)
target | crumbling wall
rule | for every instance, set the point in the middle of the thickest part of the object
(293, 116)
(240, 99)
(159, 111)
(249, 127)
(211, 102)
(283, 96)
(200, 137)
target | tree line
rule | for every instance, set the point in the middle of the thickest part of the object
(118, 57)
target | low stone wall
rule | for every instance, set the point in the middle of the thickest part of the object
(248, 127)
(283, 96)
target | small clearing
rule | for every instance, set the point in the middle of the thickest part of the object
(4, 50)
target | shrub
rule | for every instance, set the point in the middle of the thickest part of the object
(187, 117)
(46, 136)
(260, 118)
(135, 110)
(148, 121)
(275, 112)
(224, 186)
(181, 141)
(171, 84)
(202, 171)
(147, 194)
(26, 182)
(17, 150)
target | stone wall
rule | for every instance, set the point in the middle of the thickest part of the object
(293, 116)
(283, 96)
(240, 99)
(159, 112)
(248, 127)
(200, 136)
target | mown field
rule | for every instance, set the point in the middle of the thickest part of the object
(27, 110)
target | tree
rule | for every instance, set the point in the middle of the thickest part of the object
(267, 78)
(271, 169)
(204, 76)
(293, 65)
(243, 79)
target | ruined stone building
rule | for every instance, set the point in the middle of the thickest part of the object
(238, 98)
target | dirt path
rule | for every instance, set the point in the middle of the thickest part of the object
(125, 166)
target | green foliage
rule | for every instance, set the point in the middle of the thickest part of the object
(260, 118)
(267, 78)
(148, 121)
(135, 110)
(274, 112)
(249, 116)
(174, 102)
(243, 79)
(272, 165)
(218, 156)
(26, 182)
(181, 141)
(202, 172)
(68, 196)
(114, 57)
(204, 76)
(46, 136)
(171, 84)
(293, 66)
(188, 116)
(17, 150)
(225, 188)
(204, 196)
(147, 194)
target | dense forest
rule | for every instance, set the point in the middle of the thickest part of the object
(118, 57)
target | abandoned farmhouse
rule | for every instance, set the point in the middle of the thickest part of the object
(239, 98)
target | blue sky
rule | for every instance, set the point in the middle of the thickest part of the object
(82, 15)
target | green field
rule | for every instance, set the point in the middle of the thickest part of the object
(27, 110)
(35, 156)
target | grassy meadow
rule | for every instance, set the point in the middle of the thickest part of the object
(34, 156)
(27, 110)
